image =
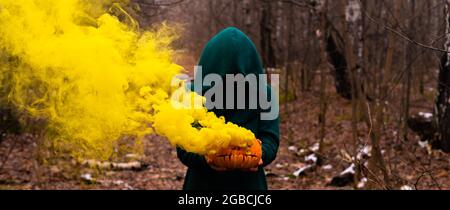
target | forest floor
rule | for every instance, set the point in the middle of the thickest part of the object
(411, 165)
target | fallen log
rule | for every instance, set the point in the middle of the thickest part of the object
(105, 165)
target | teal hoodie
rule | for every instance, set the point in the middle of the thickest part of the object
(232, 52)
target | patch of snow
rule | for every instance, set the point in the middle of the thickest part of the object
(406, 187)
(349, 170)
(364, 152)
(87, 177)
(118, 182)
(133, 156)
(423, 144)
(293, 148)
(367, 149)
(327, 167)
(301, 170)
(311, 157)
(315, 147)
(128, 187)
(426, 115)
(278, 165)
(362, 183)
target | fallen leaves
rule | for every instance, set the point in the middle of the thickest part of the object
(294, 168)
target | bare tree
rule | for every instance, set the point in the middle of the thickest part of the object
(442, 109)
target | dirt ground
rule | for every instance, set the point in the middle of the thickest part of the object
(411, 165)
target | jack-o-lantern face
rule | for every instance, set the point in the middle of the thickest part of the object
(238, 158)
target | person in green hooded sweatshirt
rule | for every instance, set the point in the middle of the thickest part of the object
(231, 52)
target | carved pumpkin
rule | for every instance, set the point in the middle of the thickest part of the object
(238, 157)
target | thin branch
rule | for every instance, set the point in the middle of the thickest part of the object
(153, 4)
(401, 35)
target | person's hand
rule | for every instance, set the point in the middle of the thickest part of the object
(212, 164)
(254, 169)
(256, 157)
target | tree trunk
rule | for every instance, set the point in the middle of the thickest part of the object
(409, 70)
(337, 58)
(443, 99)
(247, 15)
(359, 101)
(437, 131)
(267, 49)
(288, 54)
(321, 36)
(443, 105)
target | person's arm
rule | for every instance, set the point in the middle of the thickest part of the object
(192, 160)
(269, 134)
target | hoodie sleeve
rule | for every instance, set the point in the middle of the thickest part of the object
(269, 134)
(270, 141)
(192, 160)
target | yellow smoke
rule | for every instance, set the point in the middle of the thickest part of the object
(96, 79)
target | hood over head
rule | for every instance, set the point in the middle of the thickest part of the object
(230, 52)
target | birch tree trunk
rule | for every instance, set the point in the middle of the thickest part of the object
(351, 66)
(374, 119)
